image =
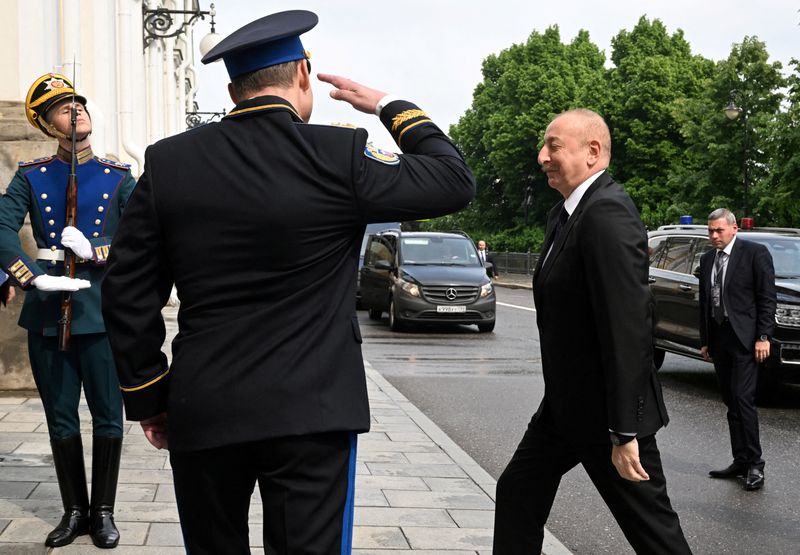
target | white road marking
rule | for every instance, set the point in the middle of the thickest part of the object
(517, 306)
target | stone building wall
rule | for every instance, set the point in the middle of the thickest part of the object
(18, 141)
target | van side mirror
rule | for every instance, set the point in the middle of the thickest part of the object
(383, 265)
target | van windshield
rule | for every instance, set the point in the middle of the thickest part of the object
(438, 251)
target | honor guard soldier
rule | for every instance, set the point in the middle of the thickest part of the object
(267, 378)
(39, 189)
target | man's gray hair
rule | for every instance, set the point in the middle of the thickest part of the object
(722, 213)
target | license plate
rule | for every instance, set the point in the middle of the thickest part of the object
(457, 308)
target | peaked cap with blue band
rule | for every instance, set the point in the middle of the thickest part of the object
(265, 42)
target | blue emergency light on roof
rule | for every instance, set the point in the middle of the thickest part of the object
(687, 220)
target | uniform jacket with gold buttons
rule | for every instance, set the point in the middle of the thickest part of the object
(39, 188)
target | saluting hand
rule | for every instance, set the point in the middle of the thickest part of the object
(363, 99)
(155, 430)
(626, 460)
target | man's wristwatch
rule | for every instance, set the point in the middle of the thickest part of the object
(620, 439)
(764, 338)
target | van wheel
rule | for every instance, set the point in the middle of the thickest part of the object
(375, 314)
(486, 328)
(658, 357)
(394, 321)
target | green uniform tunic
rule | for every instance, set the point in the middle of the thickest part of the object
(38, 190)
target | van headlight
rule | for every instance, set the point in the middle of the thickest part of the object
(486, 290)
(788, 315)
(410, 288)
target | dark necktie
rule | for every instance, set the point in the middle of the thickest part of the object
(561, 226)
(563, 216)
(717, 302)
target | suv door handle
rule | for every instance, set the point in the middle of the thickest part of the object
(684, 287)
(651, 279)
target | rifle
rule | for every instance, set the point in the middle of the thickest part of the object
(65, 318)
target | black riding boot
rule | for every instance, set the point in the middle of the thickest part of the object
(105, 471)
(68, 460)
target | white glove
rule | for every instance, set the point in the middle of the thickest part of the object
(72, 238)
(59, 283)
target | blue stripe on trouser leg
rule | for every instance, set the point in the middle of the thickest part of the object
(349, 505)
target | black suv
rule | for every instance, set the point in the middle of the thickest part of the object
(675, 252)
(422, 277)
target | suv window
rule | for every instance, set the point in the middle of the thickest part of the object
(785, 253)
(656, 247)
(456, 251)
(702, 247)
(678, 254)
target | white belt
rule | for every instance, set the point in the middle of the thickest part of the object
(55, 255)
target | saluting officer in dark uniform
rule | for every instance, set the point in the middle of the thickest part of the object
(39, 189)
(258, 220)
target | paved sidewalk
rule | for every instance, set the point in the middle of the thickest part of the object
(416, 490)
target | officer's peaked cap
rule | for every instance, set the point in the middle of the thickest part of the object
(265, 42)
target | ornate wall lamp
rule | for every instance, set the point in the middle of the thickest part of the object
(160, 24)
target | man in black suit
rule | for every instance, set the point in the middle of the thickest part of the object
(487, 260)
(737, 316)
(258, 220)
(602, 403)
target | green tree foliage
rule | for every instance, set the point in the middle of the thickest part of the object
(653, 72)
(673, 148)
(522, 88)
(779, 197)
(712, 172)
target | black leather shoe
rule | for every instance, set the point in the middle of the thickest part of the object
(754, 479)
(733, 471)
(74, 523)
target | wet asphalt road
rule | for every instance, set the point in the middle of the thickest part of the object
(482, 389)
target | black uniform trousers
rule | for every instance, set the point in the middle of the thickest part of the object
(307, 492)
(737, 373)
(527, 488)
(60, 375)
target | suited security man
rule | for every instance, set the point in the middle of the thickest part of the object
(487, 259)
(602, 403)
(737, 316)
(258, 220)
